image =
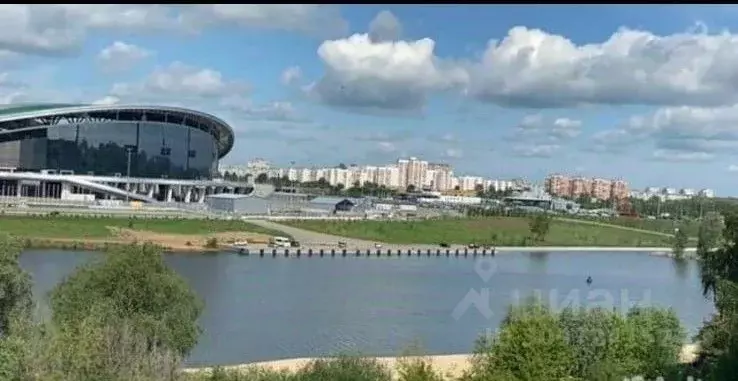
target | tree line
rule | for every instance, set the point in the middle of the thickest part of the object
(127, 316)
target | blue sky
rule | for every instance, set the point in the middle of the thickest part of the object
(645, 93)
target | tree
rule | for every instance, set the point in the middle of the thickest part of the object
(679, 243)
(719, 337)
(132, 283)
(15, 284)
(530, 345)
(539, 226)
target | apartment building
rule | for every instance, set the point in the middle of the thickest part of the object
(412, 171)
(598, 188)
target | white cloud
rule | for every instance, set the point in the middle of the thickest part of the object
(680, 156)
(180, 81)
(291, 75)
(62, 28)
(733, 168)
(385, 27)
(538, 151)
(120, 56)
(107, 100)
(537, 130)
(271, 111)
(386, 147)
(530, 67)
(453, 153)
(696, 130)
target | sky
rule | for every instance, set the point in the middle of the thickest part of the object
(644, 93)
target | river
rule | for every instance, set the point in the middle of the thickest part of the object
(271, 308)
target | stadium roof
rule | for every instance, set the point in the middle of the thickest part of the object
(221, 131)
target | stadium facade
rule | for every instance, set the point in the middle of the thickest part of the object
(136, 152)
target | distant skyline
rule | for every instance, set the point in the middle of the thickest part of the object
(646, 93)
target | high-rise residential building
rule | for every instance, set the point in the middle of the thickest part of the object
(601, 189)
(558, 185)
(580, 187)
(619, 190)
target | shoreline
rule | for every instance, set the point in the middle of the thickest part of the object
(453, 365)
(70, 244)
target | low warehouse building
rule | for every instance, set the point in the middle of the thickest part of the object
(231, 203)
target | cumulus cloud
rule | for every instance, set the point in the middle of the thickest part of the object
(533, 68)
(698, 133)
(291, 75)
(120, 56)
(272, 111)
(180, 80)
(372, 72)
(61, 29)
(733, 168)
(453, 153)
(537, 130)
(385, 27)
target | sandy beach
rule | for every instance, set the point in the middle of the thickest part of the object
(449, 365)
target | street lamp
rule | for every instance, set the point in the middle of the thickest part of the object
(129, 152)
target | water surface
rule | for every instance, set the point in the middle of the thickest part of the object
(271, 308)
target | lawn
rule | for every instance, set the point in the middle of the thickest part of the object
(502, 231)
(664, 226)
(92, 227)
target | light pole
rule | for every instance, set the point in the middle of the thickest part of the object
(129, 151)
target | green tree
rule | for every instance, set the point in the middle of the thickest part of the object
(262, 178)
(530, 345)
(679, 243)
(719, 337)
(539, 225)
(15, 284)
(132, 283)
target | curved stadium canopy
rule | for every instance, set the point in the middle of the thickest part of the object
(18, 119)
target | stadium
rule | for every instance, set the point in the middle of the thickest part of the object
(113, 152)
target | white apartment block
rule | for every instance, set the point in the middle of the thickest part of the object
(668, 193)
(412, 171)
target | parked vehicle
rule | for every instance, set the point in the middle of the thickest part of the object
(294, 244)
(341, 244)
(473, 246)
(445, 245)
(280, 242)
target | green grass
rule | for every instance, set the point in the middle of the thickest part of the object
(92, 227)
(664, 226)
(503, 231)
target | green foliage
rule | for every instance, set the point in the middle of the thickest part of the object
(530, 345)
(211, 243)
(679, 243)
(132, 283)
(539, 226)
(344, 368)
(417, 369)
(15, 283)
(535, 343)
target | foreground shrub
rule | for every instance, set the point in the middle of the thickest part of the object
(530, 345)
(535, 343)
(344, 368)
(131, 283)
(416, 369)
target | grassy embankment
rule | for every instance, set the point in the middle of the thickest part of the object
(100, 232)
(500, 231)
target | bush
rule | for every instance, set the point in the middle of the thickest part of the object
(211, 243)
(529, 346)
(132, 283)
(344, 368)
(416, 369)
